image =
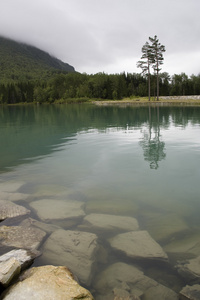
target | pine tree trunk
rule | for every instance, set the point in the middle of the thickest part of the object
(149, 92)
(157, 84)
(149, 82)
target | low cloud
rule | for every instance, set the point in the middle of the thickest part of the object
(95, 36)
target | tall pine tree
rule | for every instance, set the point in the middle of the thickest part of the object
(152, 55)
(146, 60)
(157, 52)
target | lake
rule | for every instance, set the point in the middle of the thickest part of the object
(137, 162)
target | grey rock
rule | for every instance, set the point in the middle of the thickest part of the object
(24, 257)
(110, 222)
(72, 248)
(21, 237)
(13, 262)
(64, 212)
(47, 283)
(11, 210)
(8, 270)
(190, 292)
(138, 245)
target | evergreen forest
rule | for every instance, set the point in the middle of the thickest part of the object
(78, 87)
(28, 74)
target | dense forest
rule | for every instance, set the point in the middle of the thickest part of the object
(67, 87)
(28, 74)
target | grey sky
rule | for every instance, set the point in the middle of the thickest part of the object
(107, 35)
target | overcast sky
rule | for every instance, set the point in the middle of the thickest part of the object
(107, 35)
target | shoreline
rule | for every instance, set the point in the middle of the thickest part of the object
(163, 101)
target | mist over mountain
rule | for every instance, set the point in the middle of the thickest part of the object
(19, 62)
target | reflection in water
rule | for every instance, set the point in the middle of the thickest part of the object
(152, 146)
(97, 157)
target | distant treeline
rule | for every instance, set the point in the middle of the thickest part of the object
(82, 87)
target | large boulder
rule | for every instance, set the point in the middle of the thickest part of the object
(74, 249)
(47, 283)
(21, 237)
(60, 212)
(138, 245)
(122, 279)
(190, 292)
(11, 210)
(110, 222)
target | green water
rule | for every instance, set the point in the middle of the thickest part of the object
(131, 161)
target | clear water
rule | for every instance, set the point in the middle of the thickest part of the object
(131, 161)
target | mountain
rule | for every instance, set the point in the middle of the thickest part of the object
(19, 62)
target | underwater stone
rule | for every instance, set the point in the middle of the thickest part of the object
(75, 249)
(138, 245)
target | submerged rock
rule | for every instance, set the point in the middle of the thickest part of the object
(52, 190)
(110, 222)
(190, 269)
(131, 282)
(101, 201)
(11, 210)
(190, 292)
(48, 228)
(169, 225)
(186, 247)
(138, 245)
(64, 212)
(47, 283)
(74, 249)
(21, 237)
(11, 186)
(14, 196)
(118, 275)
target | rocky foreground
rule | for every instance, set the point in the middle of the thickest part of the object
(77, 251)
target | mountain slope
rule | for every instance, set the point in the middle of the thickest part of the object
(23, 62)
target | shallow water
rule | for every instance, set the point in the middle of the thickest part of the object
(141, 162)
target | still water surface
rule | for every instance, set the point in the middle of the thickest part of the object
(141, 162)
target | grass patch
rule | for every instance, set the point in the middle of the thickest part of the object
(145, 100)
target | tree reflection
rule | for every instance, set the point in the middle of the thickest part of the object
(152, 146)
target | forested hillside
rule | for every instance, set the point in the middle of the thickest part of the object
(28, 74)
(21, 62)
